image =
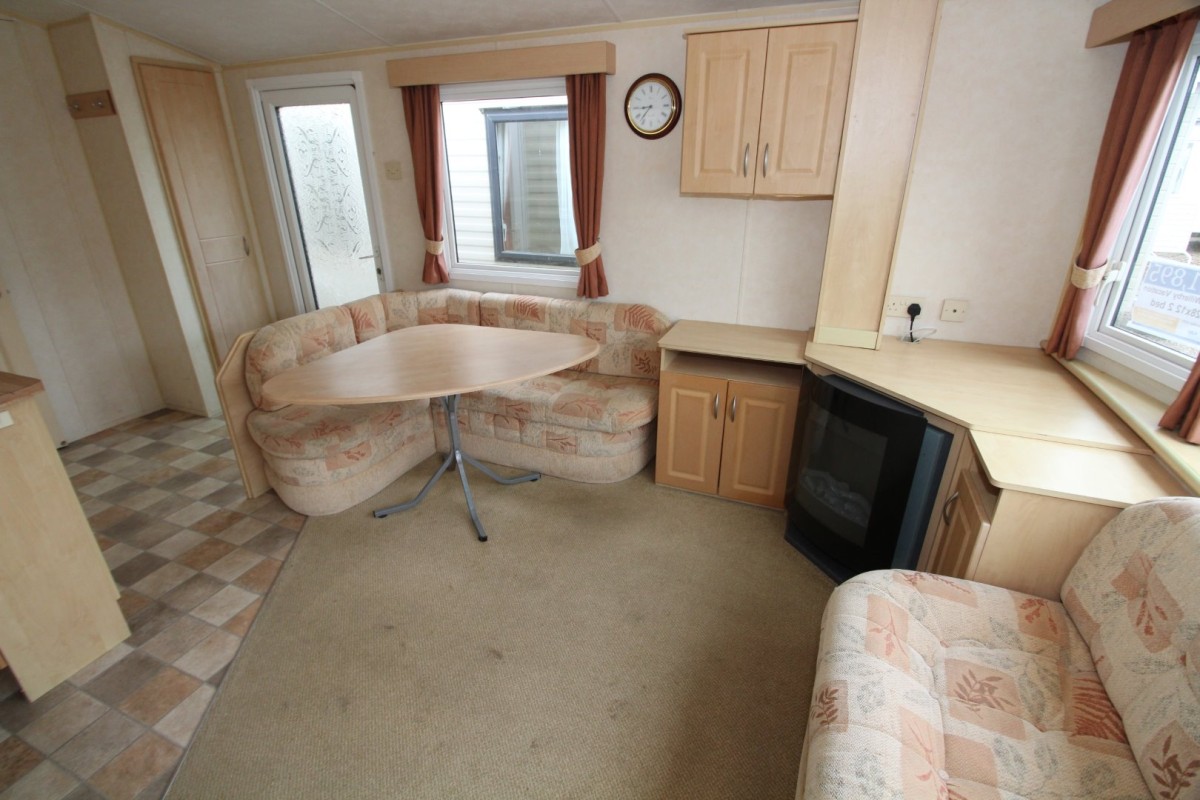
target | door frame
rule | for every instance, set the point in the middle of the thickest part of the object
(354, 79)
(251, 225)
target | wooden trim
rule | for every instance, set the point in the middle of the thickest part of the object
(137, 61)
(1117, 20)
(504, 65)
(236, 405)
(781, 23)
(846, 337)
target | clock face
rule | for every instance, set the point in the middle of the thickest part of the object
(652, 106)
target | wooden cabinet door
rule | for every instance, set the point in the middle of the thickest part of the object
(721, 107)
(759, 426)
(958, 549)
(691, 417)
(805, 87)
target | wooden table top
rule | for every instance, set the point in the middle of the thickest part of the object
(428, 361)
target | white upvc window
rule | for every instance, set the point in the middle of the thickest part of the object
(1147, 317)
(509, 214)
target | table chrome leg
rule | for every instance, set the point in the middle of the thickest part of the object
(460, 459)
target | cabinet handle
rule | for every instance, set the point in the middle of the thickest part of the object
(949, 504)
(733, 410)
(746, 160)
(716, 402)
(766, 156)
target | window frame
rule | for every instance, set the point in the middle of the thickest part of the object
(1104, 344)
(563, 274)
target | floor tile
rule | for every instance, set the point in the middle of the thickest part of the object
(146, 497)
(180, 637)
(99, 743)
(192, 592)
(46, 781)
(222, 606)
(150, 621)
(274, 541)
(191, 513)
(123, 678)
(217, 521)
(17, 760)
(178, 544)
(206, 553)
(160, 695)
(233, 564)
(260, 577)
(16, 712)
(137, 767)
(105, 484)
(137, 568)
(57, 726)
(180, 723)
(102, 663)
(164, 579)
(239, 624)
(119, 554)
(210, 656)
(243, 530)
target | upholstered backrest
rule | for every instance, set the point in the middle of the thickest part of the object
(628, 333)
(430, 307)
(295, 341)
(367, 315)
(1134, 595)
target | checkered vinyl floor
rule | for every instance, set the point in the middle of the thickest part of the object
(193, 559)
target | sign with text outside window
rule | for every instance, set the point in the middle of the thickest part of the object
(1167, 303)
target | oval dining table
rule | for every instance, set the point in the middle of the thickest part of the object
(432, 361)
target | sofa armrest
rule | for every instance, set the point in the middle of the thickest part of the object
(236, 406)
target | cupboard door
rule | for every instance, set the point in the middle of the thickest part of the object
(759, 426)
(721, 107)
(691, 416)
(806, 82)
(958, 550)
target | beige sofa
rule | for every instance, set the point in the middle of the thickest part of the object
(592, 423)
(930, 687)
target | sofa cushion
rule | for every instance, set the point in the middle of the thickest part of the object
(294, 341)
(1135, 598)
(934, 687)
(430, 307)
(573, 399)
(325, 431)
(628, 333)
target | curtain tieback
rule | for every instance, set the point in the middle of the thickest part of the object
(587, 255)
(434, 248)
(1088, 278)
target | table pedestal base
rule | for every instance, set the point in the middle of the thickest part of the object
(460, 459)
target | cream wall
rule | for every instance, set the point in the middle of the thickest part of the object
(75, 325)
(1010, 129)
(757, 262)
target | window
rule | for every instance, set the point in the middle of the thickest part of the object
(509, 173)
(1148, 314)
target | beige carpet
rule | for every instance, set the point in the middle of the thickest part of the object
(618, 641)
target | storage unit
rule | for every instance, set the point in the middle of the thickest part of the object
(727, 409)
(58, 603)
(763, 110)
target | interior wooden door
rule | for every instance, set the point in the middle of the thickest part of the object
(188, 126)
(806, 82)
(761, 422)
(721, 108)
(690, 426)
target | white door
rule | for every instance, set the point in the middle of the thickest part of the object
(319, 164)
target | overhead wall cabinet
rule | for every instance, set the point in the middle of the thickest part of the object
(726, 413)
(763, 110)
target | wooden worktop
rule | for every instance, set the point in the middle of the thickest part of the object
(1018, 391)
(14, 387)
(778, 345)
(1035, 427)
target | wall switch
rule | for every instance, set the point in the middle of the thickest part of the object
(897, 304)
(954, 310)
(393, 170)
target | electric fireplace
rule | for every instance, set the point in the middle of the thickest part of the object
(865, 476)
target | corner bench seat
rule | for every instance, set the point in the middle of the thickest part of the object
(593, 423)
(933, 687)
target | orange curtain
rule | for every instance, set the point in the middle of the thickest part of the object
(1152, 66)
(423, 118)
(585, 119)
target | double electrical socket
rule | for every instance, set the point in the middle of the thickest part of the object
(897, 305)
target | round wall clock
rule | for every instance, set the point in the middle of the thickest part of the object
(652, 106)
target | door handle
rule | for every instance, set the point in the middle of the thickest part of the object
(733, 410)
(766, 156)
(746, 160)
(716, 404)
(949, 504)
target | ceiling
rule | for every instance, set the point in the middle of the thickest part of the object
(238, 31)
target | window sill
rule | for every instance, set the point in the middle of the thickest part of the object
(518, 275)
(1141, 413)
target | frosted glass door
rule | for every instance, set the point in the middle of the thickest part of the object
(319, 164)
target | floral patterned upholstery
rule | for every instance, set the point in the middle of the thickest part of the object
(572, 399)
(295, 341)
(562, 439)
(934, 687)
(628, 333)
(1135, 596)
